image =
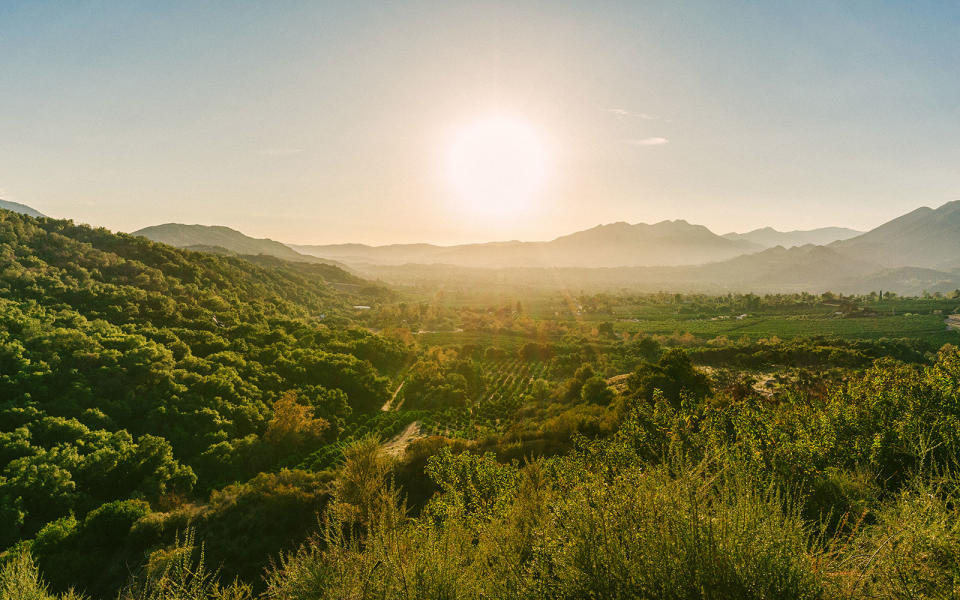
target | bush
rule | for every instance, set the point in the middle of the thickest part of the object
(20, 580)
(673, 374)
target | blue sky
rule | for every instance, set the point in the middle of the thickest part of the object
(326, 122)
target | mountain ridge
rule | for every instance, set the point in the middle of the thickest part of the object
(218, 239)
(606, 245)
(770, 237)
(22, 209)
(916, 251)
(924, 237)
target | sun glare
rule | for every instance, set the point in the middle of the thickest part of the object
(497, 165)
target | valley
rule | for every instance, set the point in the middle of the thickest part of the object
(471, 300)
(278, 392)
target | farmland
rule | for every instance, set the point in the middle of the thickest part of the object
(518, 319)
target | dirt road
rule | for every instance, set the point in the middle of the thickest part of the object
(398, 445)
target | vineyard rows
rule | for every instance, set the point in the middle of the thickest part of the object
(505, 383)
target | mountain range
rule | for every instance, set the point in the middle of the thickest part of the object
(917, 251)
(668, 243)
(768, 237)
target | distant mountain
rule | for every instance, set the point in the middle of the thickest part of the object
(918, 251)
(768, 237)
(23, 209)
(926, 237)
(807, 268)
(393, 254)
(788, 269)
(614, 245)
(217, 239)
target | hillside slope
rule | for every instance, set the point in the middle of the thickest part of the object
(206, 238)
(926, 237)
(135, 375)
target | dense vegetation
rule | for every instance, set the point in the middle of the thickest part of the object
(178, 425)
(134, 376)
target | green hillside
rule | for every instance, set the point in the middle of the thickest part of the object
(177, 425)
(134, 372)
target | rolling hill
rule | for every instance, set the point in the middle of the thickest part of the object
(218, 239)
(768, 237)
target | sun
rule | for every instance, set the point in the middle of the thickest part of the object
(497, 165)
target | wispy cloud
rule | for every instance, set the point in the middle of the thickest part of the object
(279, 151)
(622, 112)
(650, 141)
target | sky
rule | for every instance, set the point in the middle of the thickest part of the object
(330, 122)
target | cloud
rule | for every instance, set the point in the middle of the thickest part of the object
(650, 141)
(622, 112)
(279, 151)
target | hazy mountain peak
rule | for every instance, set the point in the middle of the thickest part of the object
(950, 207)
(23, 209)
(219, 236)
(925, 237)
(671, 242)
(769, 237)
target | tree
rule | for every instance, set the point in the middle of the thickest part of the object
(606, 329)
(293, 425)
(674, 375)
(584, 373)
(472, 485)
(596, 391)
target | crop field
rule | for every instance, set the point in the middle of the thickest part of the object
(506, 340)
(506, 383)
(703, 317)
(914, 326)
(509, 379)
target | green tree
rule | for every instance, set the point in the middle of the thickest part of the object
(596, 391)
(674, 375)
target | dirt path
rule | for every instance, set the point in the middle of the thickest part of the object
(398, 445)
(953, 322)
(764, 384)
(389, 403)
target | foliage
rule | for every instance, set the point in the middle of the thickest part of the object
(161, 409)
(673, 375)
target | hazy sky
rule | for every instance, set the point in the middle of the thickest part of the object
(326, 122)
